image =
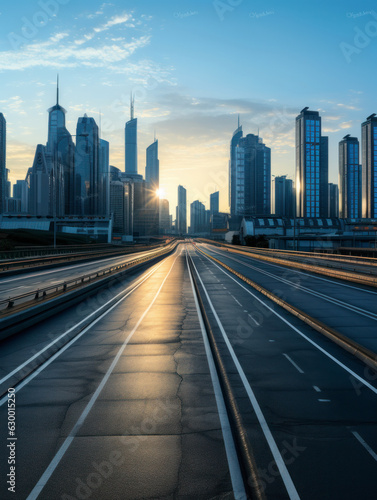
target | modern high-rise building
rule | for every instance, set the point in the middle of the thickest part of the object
(3, 172)
(40, 186)
(252, 177)
(121, 207)
(131, 141)
(333, 200)
(282, 197)
(197, 217)
(349, 178)
(237, 135)
(87, 167)
(182, 211)
(369, 167)
(164, 217)
(311, 166)
(21, 193)
(214, 203)
(152, 169)
(104, 179)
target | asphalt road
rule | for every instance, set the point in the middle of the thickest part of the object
(131, 408)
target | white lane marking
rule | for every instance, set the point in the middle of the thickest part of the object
(61, 452)
(234, 466)
(365, 444)
(271, 340)
(316, 388)
(290, 487)
(324, 400)
(360, 379)
(15, 288)
(253, 319)
(77, 266)
(293, 363)
(327, 298)
(245, 311)
(239, 303)
(309, 275)
(131, 287)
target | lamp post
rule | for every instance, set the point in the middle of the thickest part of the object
(54, 177)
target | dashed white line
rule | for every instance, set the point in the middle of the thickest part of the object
(316, 388)
(293, 363)
(239, 303)
(324, 400)
(365, 444)
(253, 319)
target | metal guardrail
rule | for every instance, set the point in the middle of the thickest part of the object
(6, 305)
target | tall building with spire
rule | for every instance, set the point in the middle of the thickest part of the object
(131, 141)
(3, 170)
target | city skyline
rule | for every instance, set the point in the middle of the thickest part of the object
(198, 114)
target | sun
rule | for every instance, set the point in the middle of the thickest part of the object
(160, 193)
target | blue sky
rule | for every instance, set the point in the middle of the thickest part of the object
(193, 67)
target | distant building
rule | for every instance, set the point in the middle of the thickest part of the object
(21, 193)
(131, 142)
(39, 199)
(87, 167)
(182, 211)
(165, 219)
(252, 177)
(282, 197)
(237, 135)
(349, 178)
(3, 174)
(121, 207)
(104, 178)
(214, 203)
(369, 167)
(311, 166)
(152, 169)
(197, 217)
(333, 200)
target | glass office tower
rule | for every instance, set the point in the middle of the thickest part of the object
(349, 178)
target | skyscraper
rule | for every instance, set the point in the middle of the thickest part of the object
(182, 211)
(131, 141)
(3, 172)
(104, 178)
(214, 203)
(164, 217)
(197, 217)
(39, 198)
(282, 197)
(232, 167)
(333, 200)
(311, 166)
(152, 169)
(349, 178)
(87, 167)
(369, 167)
(252, 177)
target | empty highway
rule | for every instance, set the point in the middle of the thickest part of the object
(128, 394)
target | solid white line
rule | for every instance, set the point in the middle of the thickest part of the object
(230, 449)
(290, 487)
(307, 274)
(366, 445)
(59, 455)
(360, 379)
(293, 363)
(316, 388)
(133, 287)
